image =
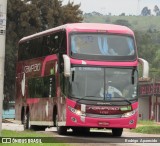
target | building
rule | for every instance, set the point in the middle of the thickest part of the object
(149, 101)
(9, 113)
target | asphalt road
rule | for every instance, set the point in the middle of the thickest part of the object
(104, 137)
(96, 137)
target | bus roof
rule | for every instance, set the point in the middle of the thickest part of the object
(84, 27)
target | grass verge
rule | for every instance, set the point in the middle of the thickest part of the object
(147, 129)
(146, 122)
(30, 134)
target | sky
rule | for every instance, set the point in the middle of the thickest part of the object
(115, 7)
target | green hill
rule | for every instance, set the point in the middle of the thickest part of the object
(140, 23)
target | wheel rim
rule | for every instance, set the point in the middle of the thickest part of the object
(25, 121)
(57, 122)
(29, 124)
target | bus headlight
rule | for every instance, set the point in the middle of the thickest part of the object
(129, 114)
(75, 111)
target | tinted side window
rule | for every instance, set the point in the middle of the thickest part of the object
(42, 87)
(43, 46)
(38, 47)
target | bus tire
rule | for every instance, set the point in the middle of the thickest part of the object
(117, 132)
(61, 130)
(54, 116)
(26, 121)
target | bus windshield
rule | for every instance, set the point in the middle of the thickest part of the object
(102, 45)
(93, 83)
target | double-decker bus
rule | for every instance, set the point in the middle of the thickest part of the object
(78, 76)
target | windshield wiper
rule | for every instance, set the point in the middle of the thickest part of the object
(84, 98)
(124, 99)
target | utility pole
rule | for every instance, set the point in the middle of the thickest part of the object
(3, 12)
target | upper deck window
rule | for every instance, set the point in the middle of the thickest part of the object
(110, 46)
(42, 46)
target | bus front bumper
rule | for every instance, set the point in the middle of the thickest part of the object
(98, 122)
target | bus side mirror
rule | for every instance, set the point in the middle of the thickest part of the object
(145, 66)
(67, 66)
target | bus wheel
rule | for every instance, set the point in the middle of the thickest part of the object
(117, 132)
(62, 130)
(26, 121)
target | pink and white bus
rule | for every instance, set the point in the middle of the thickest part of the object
(78, 76)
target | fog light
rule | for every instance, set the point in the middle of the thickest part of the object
(74, 119)
(131, 121)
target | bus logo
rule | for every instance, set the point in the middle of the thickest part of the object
(32, 68)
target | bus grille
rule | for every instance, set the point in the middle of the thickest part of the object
(103, 116)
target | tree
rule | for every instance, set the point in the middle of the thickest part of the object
(16, 9)
(146, 12)
(30, 16)
(72, 13)
(148, 48)
(51, 13)
(25, 17)
(122, 14)
(156, 10)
